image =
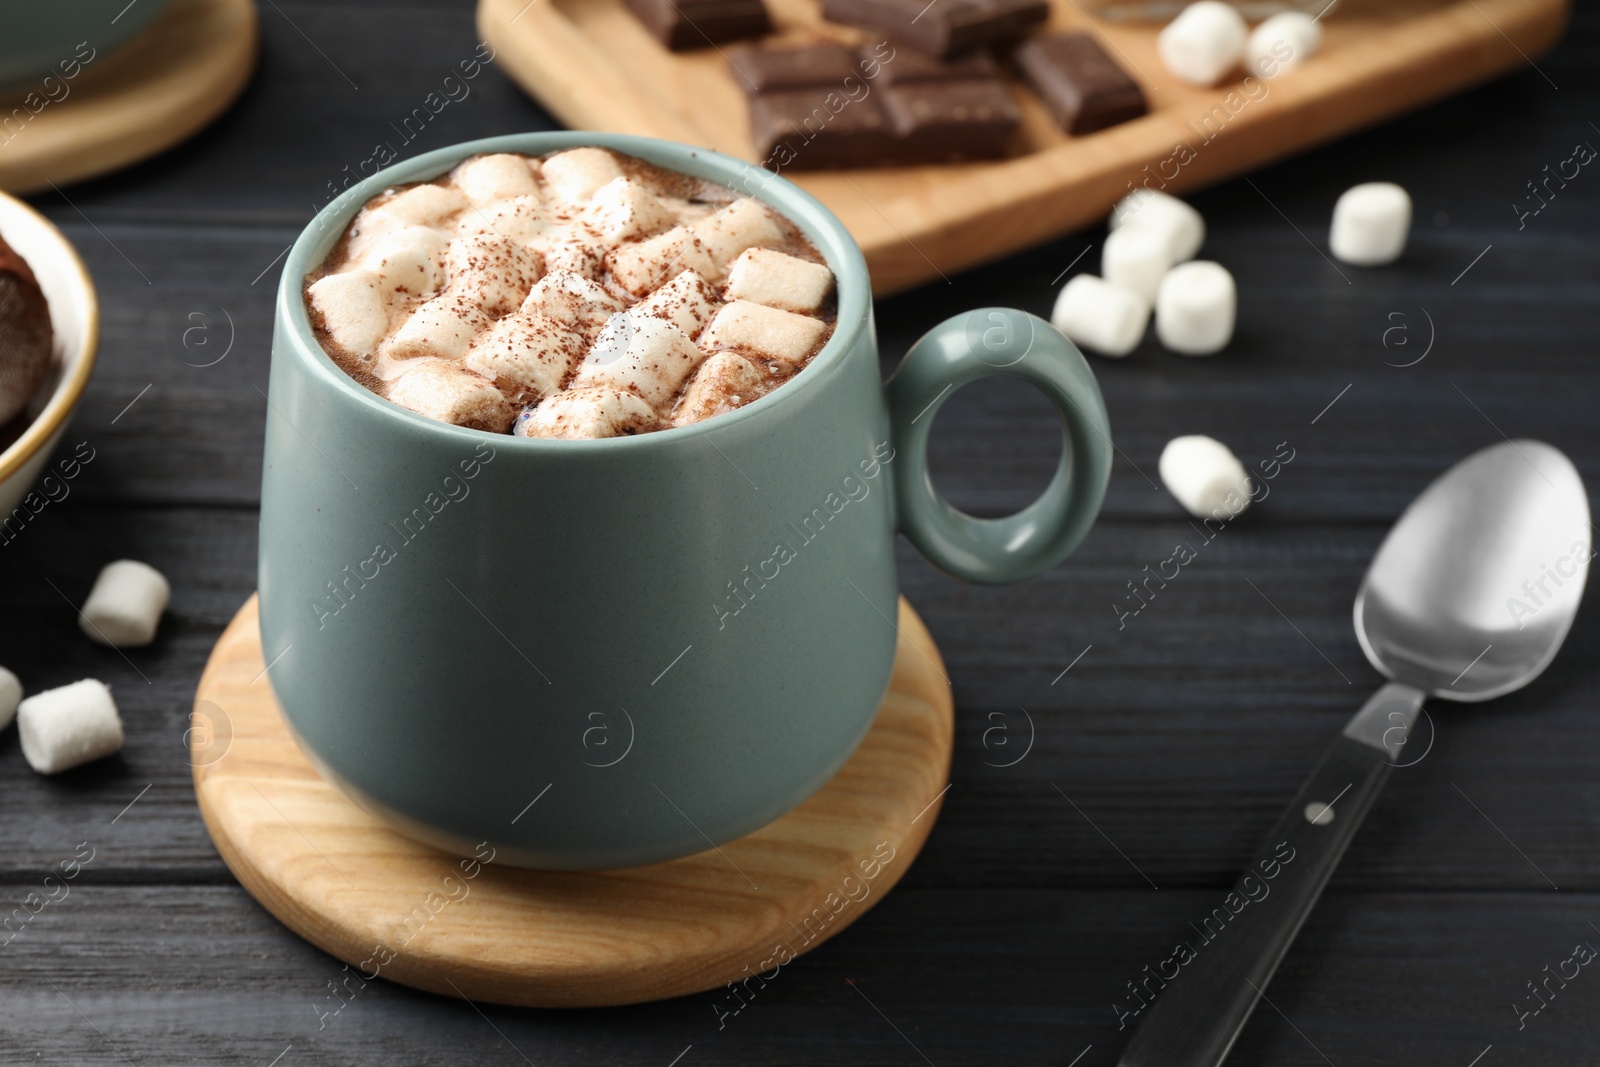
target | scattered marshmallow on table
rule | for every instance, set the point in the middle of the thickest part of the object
(1178, 223)
(10, 697)
(763, 332)
(1101, 316)
(1283, 41)
(1370, 223)
(1204, 42)
(124, 607)
(66, 727)
(1205, 477)
(1195, 308)
(1136, 258)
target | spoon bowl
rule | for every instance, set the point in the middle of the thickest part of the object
(1477, 584)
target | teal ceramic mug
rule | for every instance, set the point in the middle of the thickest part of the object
(605, 653)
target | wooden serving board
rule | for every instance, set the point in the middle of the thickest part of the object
(591, 64)
(160, 88)
(385, 904)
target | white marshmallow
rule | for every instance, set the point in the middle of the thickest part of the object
(1100, 316)
(1137, 258)
(63, 728)
(124, 607)
(493, 271)
(10, 697)
(647, 355)
(763, 332)
(743, 224)
(624, 209)
(407, 260)
(1370, 223)
(641, 266)
(1195, 308)
(1205, 477)
(443, 327)
(497, 177)
(588, 413)
(1204, 42)
(716, 387)
(1148, 209)
(763, 276)
(353, 309)
(576, 174)
(521, 218)
(450, 393)
(687, 302)
(574, 254)
(527, 355)
(1283, 41)
(424, 205)
(573, 300)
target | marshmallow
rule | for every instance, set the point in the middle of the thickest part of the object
(407, 260)
(526, 355)
(623, 209)
(1204, 42)
(687, 302)
(10, 697)
(641, 266)
(1370, 223)
(424, 205)
(1195, 308)
(442, 327)
(1285, 40)
(647, 355)
(578, 413)
(574, 301)
(66, 727)
(124, 607)
(718, 386)
(1176, 221)
(763, 276)
(576, 255)
(352, 308)
(450, 393)
(743, 224)
(1137, 258)
(497, 177)
(1100, 316)
(763, 332)
(521, 218)
(578, 173)
(1205, 477)
(493, 271)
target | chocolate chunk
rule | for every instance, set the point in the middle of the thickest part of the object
(1082, 86)
(821, 106)
(943, 27)
(686, 24)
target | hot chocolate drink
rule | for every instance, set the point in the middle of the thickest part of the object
(581, 294)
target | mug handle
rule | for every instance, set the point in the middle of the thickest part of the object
(1012, 344)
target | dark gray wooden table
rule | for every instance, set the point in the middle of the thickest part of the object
(1156, 761)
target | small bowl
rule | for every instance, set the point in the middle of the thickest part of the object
(39, 36)
(75, 320)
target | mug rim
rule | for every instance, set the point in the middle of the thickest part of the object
(820, 226)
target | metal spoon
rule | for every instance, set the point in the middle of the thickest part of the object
(1469, 598)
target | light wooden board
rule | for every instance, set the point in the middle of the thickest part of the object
(161, 88)
(594, 67)
(364, 893)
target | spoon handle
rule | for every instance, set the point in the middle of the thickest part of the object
(1205, 991)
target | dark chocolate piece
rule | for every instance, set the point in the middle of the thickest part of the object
(686, 24)
(1082, 86)
(942, 28)
(821, 106)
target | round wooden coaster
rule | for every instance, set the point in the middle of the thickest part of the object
(391, 907)
(160, 88)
